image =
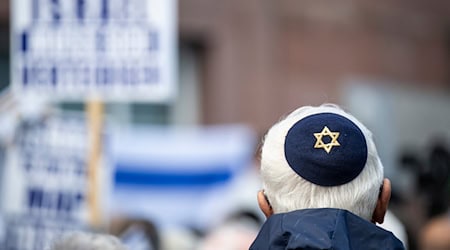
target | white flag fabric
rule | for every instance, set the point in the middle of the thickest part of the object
(178, 176)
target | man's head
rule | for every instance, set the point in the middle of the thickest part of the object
(322, 157)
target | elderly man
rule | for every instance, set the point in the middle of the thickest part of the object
(323, 184)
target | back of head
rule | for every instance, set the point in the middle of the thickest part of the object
(321, 157)
(88, 241)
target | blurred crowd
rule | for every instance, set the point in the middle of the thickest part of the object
(420, 218)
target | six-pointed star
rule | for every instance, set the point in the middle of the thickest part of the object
(326, 146)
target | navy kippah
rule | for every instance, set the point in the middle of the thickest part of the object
(326, 149)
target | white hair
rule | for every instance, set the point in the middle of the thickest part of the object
(88, 241)
(287, 191)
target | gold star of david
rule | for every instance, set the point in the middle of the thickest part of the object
(328, 146)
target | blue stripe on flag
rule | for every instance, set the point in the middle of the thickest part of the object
(170, 179)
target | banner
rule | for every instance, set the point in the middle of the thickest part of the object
(178, 177)
(109, 49)
(45, 182)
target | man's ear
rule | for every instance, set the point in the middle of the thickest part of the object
(383, 202)
(264, 204)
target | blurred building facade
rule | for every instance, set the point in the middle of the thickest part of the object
(257, 60)
(264, 58)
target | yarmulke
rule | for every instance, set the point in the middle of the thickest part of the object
(326, 149)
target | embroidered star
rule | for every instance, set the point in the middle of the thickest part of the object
(326, 146)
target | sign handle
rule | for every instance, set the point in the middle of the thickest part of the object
(94, 112)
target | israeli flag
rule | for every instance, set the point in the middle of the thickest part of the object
(178, 176)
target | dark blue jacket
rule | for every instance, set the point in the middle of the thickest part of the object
(324, 228)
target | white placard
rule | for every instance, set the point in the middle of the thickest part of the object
(81, 49)
(45, 182)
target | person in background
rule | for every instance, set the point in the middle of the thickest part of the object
(435, 235)
(88, 241)
(138, 234)
(323, 184)
(237, 232)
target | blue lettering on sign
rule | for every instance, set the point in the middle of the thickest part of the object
(59, 202)
(153, 41)
(81, 10)
(55, 173)
(132, 76)
(104, 11)
(26, 232)
(56, 11)
(100, 41)
(151, 75)
(27, 161)
(112, 45)
(35, 9)
(100, 74)
(25, 76)
(48, 73)
(35, 198)
(80, 167)
(24, 41)
(52, 166)
(40, 74)
(54, 76)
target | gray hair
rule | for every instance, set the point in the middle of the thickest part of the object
(88, 241)
(287, 191)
